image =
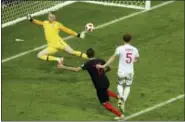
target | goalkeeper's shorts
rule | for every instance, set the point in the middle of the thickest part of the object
(55, 48)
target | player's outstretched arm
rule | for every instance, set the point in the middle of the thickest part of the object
(75, 69)
(111, 59)
(71, 32)
(29, 17)
(107, 69)
(136, 60)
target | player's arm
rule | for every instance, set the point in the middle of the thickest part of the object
(136, 60)
(71, 32)
(107, 69)
(137, 57)
(111, 60)
(75, 69)
(34, 20)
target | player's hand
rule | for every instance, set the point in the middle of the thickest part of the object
(29, 17)
(75, 69)
(81, 35)
(98, 66)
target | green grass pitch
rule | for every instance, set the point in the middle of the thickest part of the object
(36, 90)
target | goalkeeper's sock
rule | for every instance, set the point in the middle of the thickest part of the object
(49, 58)
(112, 94)
(109, 107)
(78, 53)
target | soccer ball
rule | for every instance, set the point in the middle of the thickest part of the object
(89, 27)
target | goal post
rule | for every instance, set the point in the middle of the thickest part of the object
(14, 11)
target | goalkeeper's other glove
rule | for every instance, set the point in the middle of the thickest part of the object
(81, 35)
(29, 17)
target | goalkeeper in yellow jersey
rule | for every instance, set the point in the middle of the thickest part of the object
(55, 42)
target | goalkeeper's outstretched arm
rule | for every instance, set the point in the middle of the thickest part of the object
(71, 32)
(29, 17)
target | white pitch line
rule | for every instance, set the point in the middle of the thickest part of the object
(97, 27)
(155, 107)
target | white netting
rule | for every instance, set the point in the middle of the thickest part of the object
(14, 11)
(135, 4)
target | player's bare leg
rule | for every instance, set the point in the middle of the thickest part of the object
(69, 50)
(44, 55)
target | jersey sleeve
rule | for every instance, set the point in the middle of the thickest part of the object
(38, 22)
(67, 30)
(117, 52)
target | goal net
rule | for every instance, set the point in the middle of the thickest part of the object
(14, 11)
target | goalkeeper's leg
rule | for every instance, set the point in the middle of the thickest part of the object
(46, 55)
(69, 50)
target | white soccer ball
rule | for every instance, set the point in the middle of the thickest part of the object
(89, 27)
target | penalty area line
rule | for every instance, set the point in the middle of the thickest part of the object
(97, 27)
(154, 107)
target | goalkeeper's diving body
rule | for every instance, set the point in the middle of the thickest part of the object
(54, 41)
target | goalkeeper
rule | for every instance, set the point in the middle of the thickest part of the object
(54, 41)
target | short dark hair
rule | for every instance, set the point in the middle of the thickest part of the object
(127, 37)
(90, 53)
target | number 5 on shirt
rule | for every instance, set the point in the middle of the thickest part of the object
(128, 58)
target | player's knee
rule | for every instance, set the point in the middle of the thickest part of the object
(73, 52)
(39, 55)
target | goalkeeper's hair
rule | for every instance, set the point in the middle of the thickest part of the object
(127, 37)
(90, 53)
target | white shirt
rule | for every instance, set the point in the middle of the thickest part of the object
(127, 54)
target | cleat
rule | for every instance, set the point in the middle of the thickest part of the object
(119, 118)
(121, 105)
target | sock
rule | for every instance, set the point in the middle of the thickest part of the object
(112, 94)
(120, 90)
(49, 58)
(126, 92)
(109, 107)
(78, 53)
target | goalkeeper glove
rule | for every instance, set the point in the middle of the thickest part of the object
(29, 17)
(81, 35)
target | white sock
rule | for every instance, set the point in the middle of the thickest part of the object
(58, 59)
(120, 90)
(126, 93)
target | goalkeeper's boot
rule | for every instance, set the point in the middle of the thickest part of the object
(120, 118)
(121, 104)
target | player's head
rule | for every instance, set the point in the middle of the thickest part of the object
(90, 53)
(51, 16)
(127, 38)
